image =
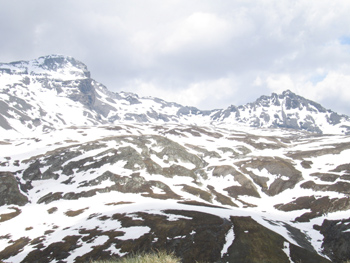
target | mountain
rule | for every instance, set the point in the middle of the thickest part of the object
(58, 91)
(286, 110)
(96, 175)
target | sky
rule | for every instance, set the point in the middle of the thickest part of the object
(202, 53)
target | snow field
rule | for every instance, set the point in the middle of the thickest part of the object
(35, 219)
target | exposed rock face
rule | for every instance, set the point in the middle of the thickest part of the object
(336, 239)
(318, 206)
(340, 187)
(286, 110)
(9, 191)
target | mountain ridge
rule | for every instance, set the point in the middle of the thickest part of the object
(58, 78)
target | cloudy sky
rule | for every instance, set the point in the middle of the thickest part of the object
(203, 53)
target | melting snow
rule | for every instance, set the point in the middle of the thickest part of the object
(230, 237)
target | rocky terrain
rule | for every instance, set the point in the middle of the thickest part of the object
(57, 91)
(89, 174)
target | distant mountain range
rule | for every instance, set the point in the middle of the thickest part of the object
(88, 174)
(58, 91)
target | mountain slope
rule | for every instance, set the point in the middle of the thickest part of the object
(286, 110)
(95, 192)
(57, 91)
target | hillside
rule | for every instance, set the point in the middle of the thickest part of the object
(79, 184)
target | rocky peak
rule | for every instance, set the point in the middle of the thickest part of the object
(289, 101)
(49, 66)
(266, 101)
(293, 101)
(56, 62)
(65, 79)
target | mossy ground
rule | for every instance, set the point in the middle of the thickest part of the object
(158, 257)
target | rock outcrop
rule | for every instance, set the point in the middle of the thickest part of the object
(10, 193)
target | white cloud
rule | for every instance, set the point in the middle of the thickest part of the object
(333, 85)
(199, 30)
(196, 33)
(183, 50)
(201, 94)
(279, 83)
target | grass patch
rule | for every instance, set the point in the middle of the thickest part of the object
(197, 192)
(72, 213)
(158, 257)
(120, 203)
(8, 216)
(15, 248)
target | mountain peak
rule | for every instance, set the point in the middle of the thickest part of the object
(67, 80)
(287, 110)
(58, 63)
(54, 62)
(288, 93)
(56, 66)
(294, 101)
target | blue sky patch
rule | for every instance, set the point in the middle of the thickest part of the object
(344, 40)
(318, 78)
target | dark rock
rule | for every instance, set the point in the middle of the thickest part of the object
(318, 206)
(306, 164)
(326, 177)
(9, 190)
(50, 197)
(334, 118)
(133, 99)
(339, 187)
(336, 242)
(187, 111)
(342, 168)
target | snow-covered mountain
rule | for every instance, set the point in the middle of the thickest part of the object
(286, 110)
(57, 91)
(97, 174)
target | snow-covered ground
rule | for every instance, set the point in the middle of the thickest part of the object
(35, 219)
